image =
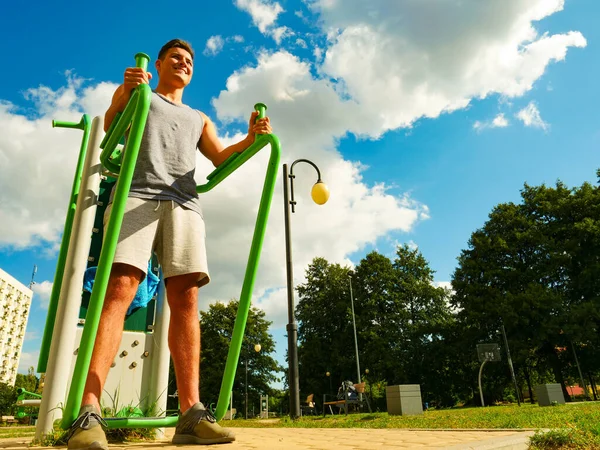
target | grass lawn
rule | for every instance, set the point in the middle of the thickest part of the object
(574, 425)
(15, 431)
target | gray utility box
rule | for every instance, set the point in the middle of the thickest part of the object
(404, 400)
(548, 393)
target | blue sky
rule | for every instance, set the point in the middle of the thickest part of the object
(421, 116)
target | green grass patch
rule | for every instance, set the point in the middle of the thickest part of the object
(573, 426)
(16, 431)
(584, 415)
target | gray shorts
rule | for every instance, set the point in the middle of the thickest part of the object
(176, 234)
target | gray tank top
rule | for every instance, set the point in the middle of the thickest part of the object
(167, 159)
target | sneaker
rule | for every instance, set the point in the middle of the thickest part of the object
(199, 426)
(86, 433)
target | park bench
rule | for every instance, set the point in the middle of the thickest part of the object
(346, 402)
(8, 420)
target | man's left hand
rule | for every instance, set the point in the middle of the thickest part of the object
(260, 126)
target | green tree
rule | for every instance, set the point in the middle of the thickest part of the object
(534, 265)
(380, 317)
(325, 336)
(399, 316)
(8, 397)
(28, 382)
(217, 326)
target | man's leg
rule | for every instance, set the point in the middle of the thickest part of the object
(86, 432)
(196, 425)
(184, 336)
(122, 286)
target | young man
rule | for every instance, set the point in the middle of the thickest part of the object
(163, 215)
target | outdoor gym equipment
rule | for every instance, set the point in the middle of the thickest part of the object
(121, 165)
(25, 400)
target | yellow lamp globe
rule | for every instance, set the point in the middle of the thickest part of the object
(257, 348)
(320, 193)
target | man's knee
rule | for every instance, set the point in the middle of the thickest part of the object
(182, 290)
(123, 282)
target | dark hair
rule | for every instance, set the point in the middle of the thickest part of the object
(180, 43)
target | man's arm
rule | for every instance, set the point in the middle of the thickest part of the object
(134, 76)
(116, 106)
(213, 149)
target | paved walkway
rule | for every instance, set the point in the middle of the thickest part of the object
(347, 439)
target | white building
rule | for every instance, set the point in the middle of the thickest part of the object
(15, 301)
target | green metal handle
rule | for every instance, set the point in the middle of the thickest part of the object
(85, 125)
(120, 124)
(262, 113)
(235, 160)
(77, 125)
(142, 60)
(22, 393)
(262, 110)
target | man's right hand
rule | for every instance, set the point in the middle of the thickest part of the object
(133, 77)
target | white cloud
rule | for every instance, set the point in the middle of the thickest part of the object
(443, 284)
(32, 335)
(264, 15)
(263, 12)
(33, 212)
(356, 214)
(499, 121)
(530, 116)
(301, 43)
(27, 360)
(42, 292)
(421, 59)
(214, 45)
(279, 33)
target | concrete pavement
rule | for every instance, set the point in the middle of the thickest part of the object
(344, 438)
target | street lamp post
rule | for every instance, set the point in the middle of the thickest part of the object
(257, 348)
(320, 194)
(355, 338)
(328, 375)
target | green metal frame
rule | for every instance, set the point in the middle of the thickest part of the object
(85, 125)
(22, 394)
(122, 165)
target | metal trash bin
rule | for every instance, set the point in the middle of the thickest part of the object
(547, 394)
(404, 399)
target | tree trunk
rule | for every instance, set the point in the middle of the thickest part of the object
(528, 380)
(593, 386)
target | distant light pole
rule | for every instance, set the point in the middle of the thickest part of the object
(355, 338)
(320, 195)
(257, 348)
(510, 364)
(328, 375)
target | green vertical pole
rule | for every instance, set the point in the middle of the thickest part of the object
(84, 125)
(249, 277)
(107, 254)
